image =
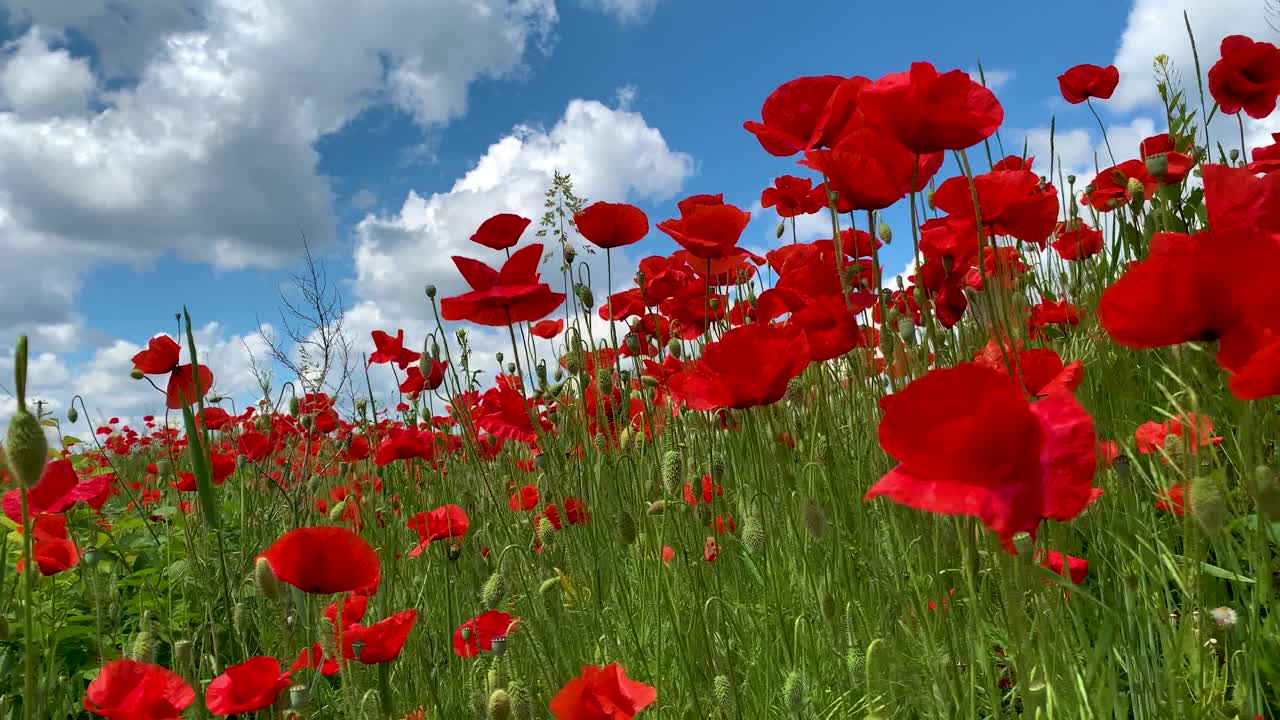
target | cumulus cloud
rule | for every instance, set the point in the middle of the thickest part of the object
(626, 12)
(1081, 151)
(204, 145)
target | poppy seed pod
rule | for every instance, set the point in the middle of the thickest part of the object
(1157, 165)
(1208, 505)
(569, 253)
(1234, 155)
(1025, 546)
(183, 653)
(431, 291)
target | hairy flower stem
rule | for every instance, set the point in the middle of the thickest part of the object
(28, 611)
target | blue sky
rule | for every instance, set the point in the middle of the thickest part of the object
(186, 107)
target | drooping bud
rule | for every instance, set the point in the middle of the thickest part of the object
(1208, 505)
(815, 518)
(782, 227)
(72, 415)
(626, 528)
(929, 199)
(753, 533)
(26, 447)
(336, 512)
(585, 298)
(294, 405)
(885, 232)
(264, 578)
(306, 421)
(822, 450)
(722, 690)
(136, 374)
(521, 702)
(499, 706)
(672, 466)
(794, 690)
(795, 390)
(675, 349)
(718, 464)
(240, 619)
(493, 590)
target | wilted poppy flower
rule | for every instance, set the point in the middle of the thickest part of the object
(1084, 81)
(391, 350)
(380, 642)
(611, 225)
(479, 632)
(323, 560)
(160, 357)
(499, 298)
(792, 196)
(547, 329)
(130, 690)
(1247, 77)
(602, 694)
(248, 687)
(1040, 465)
(930, 112)
(501, 231)
(746, 367)
(792, 113)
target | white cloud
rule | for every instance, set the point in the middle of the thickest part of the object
(37, 80)
(1080, 151)
(626, 12)
(996, 78)
(205, 147)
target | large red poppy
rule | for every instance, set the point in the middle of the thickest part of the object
(748, 366)
(602, 694)
(929, 112)
(1247, 77)
(611, 225)
(57, 491)
(251, 686)
(130, 690)
(160, 357)
(1084, 81)
(391, 350)
(380, 642)
(499, 298)
(1039, 465)
(707, 229)
(479, 632)
(323, 560)
(871, 170)
(501, 231)
(792, 113)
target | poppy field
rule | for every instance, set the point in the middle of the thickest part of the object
(1036, 476)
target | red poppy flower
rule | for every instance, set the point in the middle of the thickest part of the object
(380, 642)
(792, 196)
(526, 499)
(708, 230)
(506, 414)
(602, 694)
(353, 610)
(405, 444)
(1012, 203)
(791, 114)
(746, 367)
(668, 554)
(1247, 77)
(391, 350)
(1266, 159)
(622, 305)
(1110, 189)
(1195, 430)
(501, 231)
(1041, 369)
(499, 298)
(1046, 313)
(248, 687)
(214, 418)
(1069, 567)
(129, 690)
(830, 329)
(313, 657)
(547, 329)
(1173, 500)
(444, 522)
(871, 170)
(478, 633)
(57, 491)
(1040, 465)
(1236, 198)
(52, 547)
(160, 357)
(1178, 164)
(323, 560)
(611, 225)
(1074, 240)
(1082, 82)
(930, 112)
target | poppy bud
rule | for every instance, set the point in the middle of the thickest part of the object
(717, 465)
(521, 702)
(1071, 180)
(294, 405)
(1136, 190)
(815, 518)
(335, 512)
(675, 348)
(1234, 154)
(1267, 491)
(344, 468)
(584, 295)
(493, 590)
(547, 586)
(264, 578)
(855, 662)
(753, 533)
(885, 232)
(361, 405)
(1158, 165)
(626, 528)
(1207, 504)
(511, 368)
(827, 605)
(795, 390)
(136, 374)
(72, 415)
(1025, 546)
(929, 199)
(431, 291)
(794, 690)
(498, 357)
(632, 341)
(499, 706)
(782, 227)
(144, 648)
(240, 619)
(657, 507)
(822, 450)
(305, 421)
(569, 253)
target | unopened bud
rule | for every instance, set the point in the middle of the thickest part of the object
(675, 348)
(493, 590)
(264, 578)
(657, 507)
(336, 512)
(294, 405)
(1025, 546)
(72, 415)
(136, 374)
(885, 232)
(1136, 190)
(568, 253)
(794, 690)
(499, 706)
(626, 528)
(584, 295)
(1234, 154)
(431, 291)
(782, 227)
(815, 518)
(1266, 487)
(306, 421)
(1207, 504)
